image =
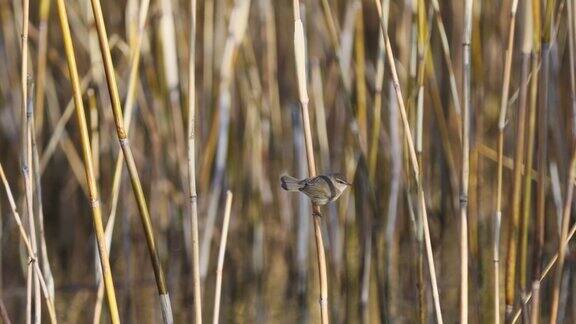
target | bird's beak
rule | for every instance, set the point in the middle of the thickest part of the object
(348, 183)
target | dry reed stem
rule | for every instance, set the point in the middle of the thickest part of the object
(422, 54)
(32, 258)
(300, 59)
(27, 123)
(414, 164)
(221, 252)
(192, 166)
(527, 119)
(535, 256)
(515, 217)
(24, 144)
(130, 163)
(129, 110)
(87, 156)
(466, 107)
(45, 264)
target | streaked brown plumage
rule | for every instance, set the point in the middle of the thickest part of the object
(321, 189)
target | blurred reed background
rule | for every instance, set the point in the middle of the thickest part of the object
(461, 155)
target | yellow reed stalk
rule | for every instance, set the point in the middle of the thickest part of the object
(88, 164)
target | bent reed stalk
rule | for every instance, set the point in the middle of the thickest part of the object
(130, 163)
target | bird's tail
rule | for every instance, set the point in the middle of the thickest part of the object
(289, 183)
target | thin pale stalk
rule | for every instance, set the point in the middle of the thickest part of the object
(28, 245)
(192, 166)
(466, 110)
(300, 57)
(26, 102)
(221, 252)
(42, 238)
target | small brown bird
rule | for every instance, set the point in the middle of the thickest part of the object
(321, 189)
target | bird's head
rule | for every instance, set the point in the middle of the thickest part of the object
(339, 181)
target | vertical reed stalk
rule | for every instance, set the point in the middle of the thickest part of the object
(359, 63)
(422, 50)
(25, 156)
(543, 132)
(221, 252)
(88, 164)
(540, 200)
(514, 227)
(45, 264)
(467, 103)
(300, 58)
(192, 166)
(529, 120)
(130, 163)
(413, 162)
(512, 240)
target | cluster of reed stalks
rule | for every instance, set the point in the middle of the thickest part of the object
(454, 120)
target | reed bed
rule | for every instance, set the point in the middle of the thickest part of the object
(455, 122)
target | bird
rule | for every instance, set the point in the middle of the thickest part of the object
(320, 189)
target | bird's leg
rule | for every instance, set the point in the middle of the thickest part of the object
(316, 211)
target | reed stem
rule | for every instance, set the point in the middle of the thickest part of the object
(130, 163)
(192, 166)
(221, 252)
(300, 58)
(88, 164)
